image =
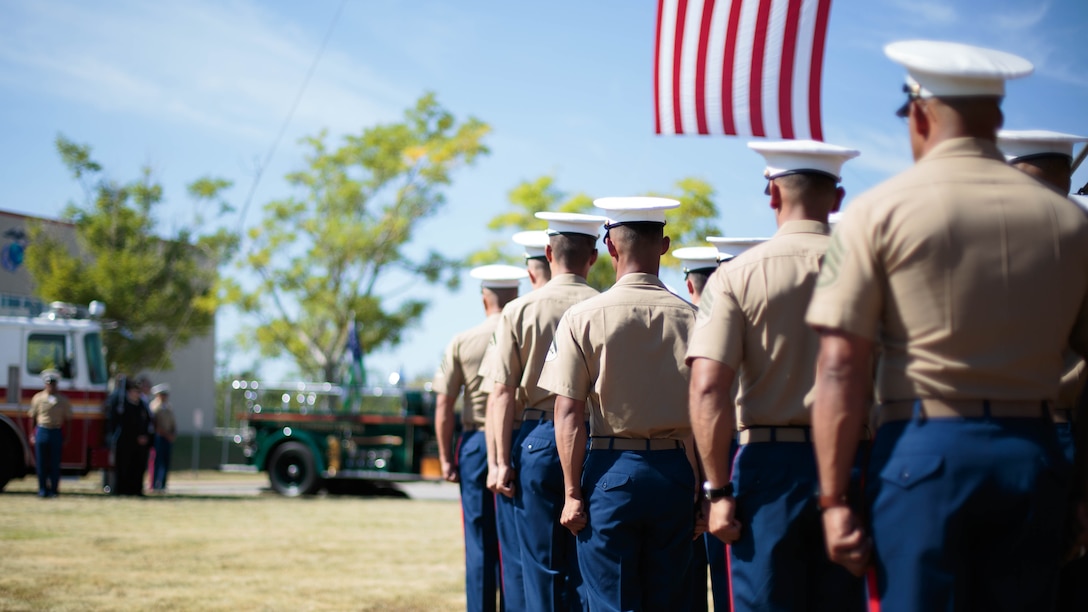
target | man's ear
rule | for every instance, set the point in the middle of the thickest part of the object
(840, 193)
(593, 258)
(691, 287)
(920, 118)
(548, 254)
(665, 242)
(611, 247)
(776, 196)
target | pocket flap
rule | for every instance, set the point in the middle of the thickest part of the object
(537, 444)
(612, 481)
(910, 470)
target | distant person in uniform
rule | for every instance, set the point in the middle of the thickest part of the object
(698, 264)
(133, 435)
(166, 431)
(716, 553)
(50, 411)
(631, 499)
(513, 587)
(751, 328)
(1048, 156)
(460, 371)
(528, 464)
(971, 279)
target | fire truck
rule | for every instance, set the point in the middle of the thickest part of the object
(306, 436)
(67, 338)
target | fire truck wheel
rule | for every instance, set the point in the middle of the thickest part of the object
(291, 470)
(9, 458)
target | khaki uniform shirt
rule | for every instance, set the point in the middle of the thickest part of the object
(50, 411)
(624, 350)
(163, 414)
(524, 335)
(969, 275)
(461, 369)
(752, 319)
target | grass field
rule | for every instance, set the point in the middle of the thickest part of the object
(85, 550)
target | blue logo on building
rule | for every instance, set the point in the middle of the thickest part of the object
(14, 251)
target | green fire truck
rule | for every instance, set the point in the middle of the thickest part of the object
(310, 435)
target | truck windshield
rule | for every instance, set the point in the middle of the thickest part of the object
(96, 362)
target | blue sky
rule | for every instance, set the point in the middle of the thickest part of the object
(201, 87)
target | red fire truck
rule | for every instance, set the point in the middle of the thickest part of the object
(69, 339)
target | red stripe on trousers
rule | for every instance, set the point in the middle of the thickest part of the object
(785, 72)
(677, 48)
(874, 596)
(700, 67)
(815, 73)
(729, 125)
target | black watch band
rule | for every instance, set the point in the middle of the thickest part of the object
(712, 494)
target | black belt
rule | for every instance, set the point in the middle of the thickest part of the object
(760, 433)
(634, 444)
(535, 414)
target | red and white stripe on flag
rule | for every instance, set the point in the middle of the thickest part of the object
(740, 67)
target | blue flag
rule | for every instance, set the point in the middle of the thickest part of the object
(356, 378)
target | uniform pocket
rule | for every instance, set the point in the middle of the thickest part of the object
(538, 444)
(611, 482)
(905, 472)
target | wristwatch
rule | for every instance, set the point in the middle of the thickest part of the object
(826, 502)
(711, 494)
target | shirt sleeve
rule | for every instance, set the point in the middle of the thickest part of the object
(502, 362)
(565, 370)
(849, 291)
(449, 379)
(718, 333)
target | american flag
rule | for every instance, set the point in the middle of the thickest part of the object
(740, 67)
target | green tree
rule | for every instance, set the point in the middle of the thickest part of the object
(159, 290)
(688, 225)
(335, 250)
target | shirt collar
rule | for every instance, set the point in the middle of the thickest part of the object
(640, 278)
(965, 147)
(804, 226)
(567, 279)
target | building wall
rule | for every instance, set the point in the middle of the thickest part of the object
(192, 378)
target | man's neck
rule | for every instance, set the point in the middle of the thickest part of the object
(630, 266)
(797, 212)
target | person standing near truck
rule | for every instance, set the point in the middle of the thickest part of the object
(166, 431)
(50, 411)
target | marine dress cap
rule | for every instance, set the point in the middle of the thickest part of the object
(802, 156)
(834, 218)
(160, 388)
(499, 276)
(572, 223)
(948, 69)
(697, 259)
(637, 209)
(728, 248)
(50, 375)
(534, 242)
(1022, 145)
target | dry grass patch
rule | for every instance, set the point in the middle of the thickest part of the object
(88, 551)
